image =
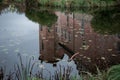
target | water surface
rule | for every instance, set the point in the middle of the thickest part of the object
(54, 37)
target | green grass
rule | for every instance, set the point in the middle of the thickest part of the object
(114, 73)
(75, 3)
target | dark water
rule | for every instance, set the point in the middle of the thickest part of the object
(53, 38)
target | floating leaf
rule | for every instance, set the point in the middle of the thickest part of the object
(84, 57)
(81, 48)
(17, 50)
(58, 59)
(81, 55)
(103, 58)
(76, 35)
(88, 58)
(90, 40)
(114, 55)
(43, 37)
(109, 49)
(5, 50)
(105, 35)
(11, 45)
(17, 43)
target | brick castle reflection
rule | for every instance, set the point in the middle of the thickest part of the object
(72, 33)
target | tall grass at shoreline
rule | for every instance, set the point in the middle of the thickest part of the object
(25, 72)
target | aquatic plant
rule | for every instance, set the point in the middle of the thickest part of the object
(63, 73)
(24, 71)
(2, 73)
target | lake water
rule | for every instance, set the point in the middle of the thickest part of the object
(78, 39)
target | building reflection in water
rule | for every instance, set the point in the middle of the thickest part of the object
(73, 33)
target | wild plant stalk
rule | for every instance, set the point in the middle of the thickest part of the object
(24, 72)
(63, 73)
(1, 73)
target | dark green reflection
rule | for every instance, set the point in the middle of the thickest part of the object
(42, 17)
(106, 21)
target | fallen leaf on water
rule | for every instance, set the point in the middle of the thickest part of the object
(81, 55)
(5, 50)
(109, 49)
(11, 45)
(103, 58)
(81, 48)
(58, 59)
(87, 46)
(114, 55)
(17, 43)
(105, 35)
(84, 57)
(88, 58)
(90, 40)
(17, 50)
(43, 37)
(76, 35)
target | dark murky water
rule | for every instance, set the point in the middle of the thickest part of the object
(54, 38)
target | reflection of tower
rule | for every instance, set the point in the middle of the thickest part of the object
(72, 32)
(50, 52)
(118, 43)
(83, 33)
(118, 47)
(118, 36)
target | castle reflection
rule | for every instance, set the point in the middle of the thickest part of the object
(71, 34)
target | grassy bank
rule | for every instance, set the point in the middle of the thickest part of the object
(25, 72)
(66, 3)
(75, 3)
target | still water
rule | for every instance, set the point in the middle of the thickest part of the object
(21, 36)
(82, 40)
